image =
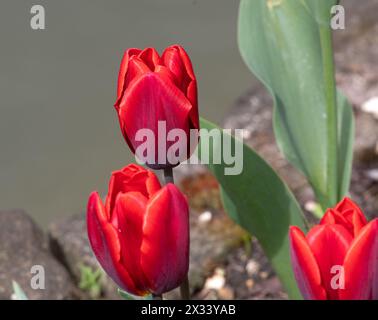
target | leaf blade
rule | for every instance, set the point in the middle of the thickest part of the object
(261, 203)
(280, 41)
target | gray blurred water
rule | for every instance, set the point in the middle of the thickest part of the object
(59, 135)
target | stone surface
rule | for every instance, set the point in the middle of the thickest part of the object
(69, 243)
(22, 245)
(356, 51)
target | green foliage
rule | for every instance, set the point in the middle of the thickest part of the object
(287, 45)
(90, 281)
(261, 203)
(18, 293)
(128, 296)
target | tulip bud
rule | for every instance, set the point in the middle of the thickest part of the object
(157, 105)
(337, 260)
(140, 236)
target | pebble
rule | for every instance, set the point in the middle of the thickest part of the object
(371, 106)
(217, 281)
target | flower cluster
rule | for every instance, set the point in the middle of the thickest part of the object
(140, 235)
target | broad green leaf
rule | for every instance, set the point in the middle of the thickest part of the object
(280, 42)
(320, 9)
(260, 202)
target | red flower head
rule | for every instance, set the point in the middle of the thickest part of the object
(338, 258)
(156, 91)
(140, 235)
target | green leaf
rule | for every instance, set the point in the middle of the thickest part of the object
(125, 295)
(18, 292)
(90, 280)
(260, 202)
(346, 139)
(284, 43)
(128, 296)
(321, 10)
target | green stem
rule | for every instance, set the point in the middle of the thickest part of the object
(184, 287)
(331, 112)
(168, 175)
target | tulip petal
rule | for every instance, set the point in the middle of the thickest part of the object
(170, 58)
(328, 217)
(329, 244)
(150, 57)
(178, 61)
(165, 72)
(165, 247)
(173, 61)
(152, 183)
(305, 267)
(350, 219)
(123, 69)
(347, 204)
(361, 266)
(130, 209)
(136, 68)
(192, 96)
(105, 244)
(335, 217)
(358, 221)
(153, 98)
(131, 178)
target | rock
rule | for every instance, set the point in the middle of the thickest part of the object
(22, 245)
(371, 106)
(356, 52)
(213, 238)
(366, 138)
(70, 245)
(211, 243)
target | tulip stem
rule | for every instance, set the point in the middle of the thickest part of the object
(184, 287)
(168, 175)
(157, 296)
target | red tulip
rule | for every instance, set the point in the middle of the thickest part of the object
(140, 235)
(152, 89)
(338, 258)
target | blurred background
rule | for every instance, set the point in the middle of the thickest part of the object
(59, 135)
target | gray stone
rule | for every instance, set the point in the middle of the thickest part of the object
(211, 242)
(22, 245)
(69, 243)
